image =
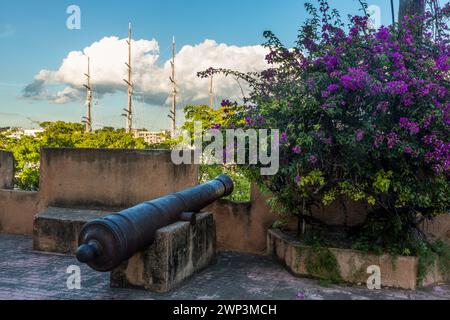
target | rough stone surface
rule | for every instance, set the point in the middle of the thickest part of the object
(25, 274)
(179, 251)
(17, 211)
(438, 228)
(400, 272)
(108, 178)
(6, 170)
(57, 229)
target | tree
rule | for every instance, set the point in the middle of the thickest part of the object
(227, 116)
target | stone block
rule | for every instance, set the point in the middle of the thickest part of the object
(57, 229)
(179, 251)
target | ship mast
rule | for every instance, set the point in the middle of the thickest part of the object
(173, 111)
(129, 111)
(88, 119)
(211, 93)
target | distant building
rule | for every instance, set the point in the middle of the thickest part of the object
(32, 132)
(18, 133)
(151, 137)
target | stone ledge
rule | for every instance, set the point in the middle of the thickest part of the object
(57, 229)
(400, 272)
(179, 251)
(6, 170)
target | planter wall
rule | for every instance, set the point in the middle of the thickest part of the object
(400, 272)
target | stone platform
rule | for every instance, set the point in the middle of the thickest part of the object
(57, 229)
(30, 275)
(179, 251)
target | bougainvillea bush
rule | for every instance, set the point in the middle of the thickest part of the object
(364, 114)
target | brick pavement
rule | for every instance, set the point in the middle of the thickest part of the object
(25, 274)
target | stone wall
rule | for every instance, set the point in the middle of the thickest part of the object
(6, 170)
(438, 228)
(243, 227)
(17, 208)
(115, 179)
(17, 211)
(99, 178)
(92, 178)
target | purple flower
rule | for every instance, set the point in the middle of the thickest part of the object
(407, 100)
(332, 87)
(249, 121)
(298, 179)
(428, 120)
(397, 87)
(328, 141)
(378, 140)
(312, 160)
(325, 94)
(217, 126)
(443, 63)
(383, 106)
(225, 103)
(411, 126)
(261, 120)
(359, 135)
(331, 62)
(429, 139)
(440, 156)
(392, 140)
(297, 149)
(301, 296)
(383, 34)
(284, 137)
(355, 79)
(408, 150)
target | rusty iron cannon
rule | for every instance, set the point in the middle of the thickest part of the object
(107, 242)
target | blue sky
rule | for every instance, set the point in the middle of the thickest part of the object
(33, 36)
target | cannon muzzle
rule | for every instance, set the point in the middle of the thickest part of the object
(105, 243)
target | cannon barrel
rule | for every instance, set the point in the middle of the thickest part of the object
(105, 243)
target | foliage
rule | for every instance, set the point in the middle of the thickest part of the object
(433, 254)
(26, 149)
(320, 262)
(381, 234)
(242, 185)
(365, 115)
(225, 117)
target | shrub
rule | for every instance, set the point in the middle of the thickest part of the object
(365, 114)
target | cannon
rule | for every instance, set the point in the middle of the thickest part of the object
(107, 242)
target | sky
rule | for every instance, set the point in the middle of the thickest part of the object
(42, 61)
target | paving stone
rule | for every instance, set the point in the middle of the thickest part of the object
(29, 275)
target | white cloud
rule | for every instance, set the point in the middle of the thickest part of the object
(150, 75)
